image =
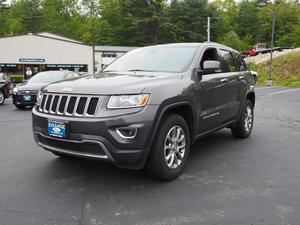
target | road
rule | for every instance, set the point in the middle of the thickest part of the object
(227, 181)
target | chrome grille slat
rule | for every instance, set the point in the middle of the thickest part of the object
(51, 103)
(76, 105)
(70, 105)
(66, 106)
(58, 104)
(87, 106)
(44, 108)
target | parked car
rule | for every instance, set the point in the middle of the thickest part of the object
(147, 107)
(25, 94)
(5, 87)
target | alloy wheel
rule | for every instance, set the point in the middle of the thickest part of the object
(175, 147)
(248, 119)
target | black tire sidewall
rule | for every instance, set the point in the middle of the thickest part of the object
(239, 130)
(156, 165)
(3, 97)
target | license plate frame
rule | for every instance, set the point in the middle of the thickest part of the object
(58, 129)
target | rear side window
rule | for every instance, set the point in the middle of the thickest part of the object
(228, 61)
(240, 62)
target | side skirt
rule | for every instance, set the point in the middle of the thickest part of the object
(206, 133)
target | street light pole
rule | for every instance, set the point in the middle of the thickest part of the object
(208, 29)
(269, 81)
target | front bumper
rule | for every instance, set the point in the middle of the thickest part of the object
(18, 99)
(98, 138)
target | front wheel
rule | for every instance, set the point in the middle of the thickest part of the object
(243, 128)
(2, 98)
(170, 149)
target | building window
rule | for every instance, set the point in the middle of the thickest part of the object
(109, 54)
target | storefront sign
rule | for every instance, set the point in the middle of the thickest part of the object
(32, 60)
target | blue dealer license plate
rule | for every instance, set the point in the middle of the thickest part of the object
(57, 129)
(27, 98)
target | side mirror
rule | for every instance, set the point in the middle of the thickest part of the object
(255, 75)
(210, 66)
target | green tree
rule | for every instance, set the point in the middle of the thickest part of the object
(190, 19)
(57, 16)
(24, 16)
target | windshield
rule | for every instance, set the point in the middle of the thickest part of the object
(47, 77)
(155, 59)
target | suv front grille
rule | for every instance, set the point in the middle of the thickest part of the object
(69, 105)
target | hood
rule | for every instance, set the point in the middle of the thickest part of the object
(30, 86)
(112, 83)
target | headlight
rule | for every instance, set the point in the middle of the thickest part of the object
(39, 97)
(127, 101)
(15, 90)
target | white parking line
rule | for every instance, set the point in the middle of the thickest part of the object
(261, 88)
(284, 91)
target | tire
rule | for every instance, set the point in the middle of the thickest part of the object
(2, 98)
(243, 128)
(158, 166)
(20, 107)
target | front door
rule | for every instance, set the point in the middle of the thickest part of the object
(212, 90)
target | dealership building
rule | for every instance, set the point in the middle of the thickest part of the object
(46, 51)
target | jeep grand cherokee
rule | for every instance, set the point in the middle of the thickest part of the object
(147, 107)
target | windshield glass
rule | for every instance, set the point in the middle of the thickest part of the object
(155, 59)
(47, 77)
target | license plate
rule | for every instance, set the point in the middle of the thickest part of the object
(57, 129)
(27, 97)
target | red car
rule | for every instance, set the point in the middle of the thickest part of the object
(5, 84)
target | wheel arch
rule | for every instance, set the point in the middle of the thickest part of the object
(251, 96)
(183, 109)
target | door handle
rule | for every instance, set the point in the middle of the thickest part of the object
(241, 78)
(224, 80)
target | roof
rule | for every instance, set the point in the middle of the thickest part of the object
(114, 48)
(50, 35)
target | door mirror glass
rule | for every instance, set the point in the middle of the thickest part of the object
(211, 66)
(255, 75)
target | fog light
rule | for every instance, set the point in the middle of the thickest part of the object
(127, 132)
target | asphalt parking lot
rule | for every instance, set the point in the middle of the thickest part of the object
(227, 181)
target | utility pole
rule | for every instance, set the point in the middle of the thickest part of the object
(208, 29)
(269, 81)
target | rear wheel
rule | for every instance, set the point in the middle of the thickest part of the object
(244, 126)
(170, 150)
(1, 97)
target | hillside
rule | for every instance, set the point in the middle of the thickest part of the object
(286, 70)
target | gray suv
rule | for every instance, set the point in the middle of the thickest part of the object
(146, 108)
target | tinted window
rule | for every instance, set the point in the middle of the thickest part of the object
(228, 61)
(240, 62)
(156, 59)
